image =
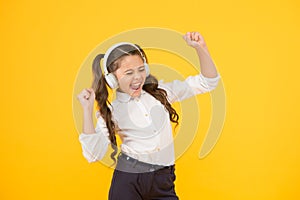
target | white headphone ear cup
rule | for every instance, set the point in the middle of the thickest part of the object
(147, 69)
(112, 81)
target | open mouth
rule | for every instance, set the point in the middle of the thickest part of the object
(135, 86)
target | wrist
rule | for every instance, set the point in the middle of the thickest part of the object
(201, 48)
(202, 51)
(88, 109)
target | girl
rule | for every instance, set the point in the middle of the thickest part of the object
(140, 115)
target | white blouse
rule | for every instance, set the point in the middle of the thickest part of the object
(143, 122)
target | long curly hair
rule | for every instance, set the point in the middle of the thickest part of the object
(101, 91)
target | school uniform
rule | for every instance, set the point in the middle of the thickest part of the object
(145, 167)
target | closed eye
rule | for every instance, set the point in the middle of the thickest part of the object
(129, 73)
(141, 68)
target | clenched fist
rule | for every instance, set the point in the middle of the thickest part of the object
(86, 98)
(195, 39)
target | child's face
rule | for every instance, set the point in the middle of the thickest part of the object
(131, 75)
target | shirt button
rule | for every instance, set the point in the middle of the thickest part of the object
(146, 115)
(151, 169)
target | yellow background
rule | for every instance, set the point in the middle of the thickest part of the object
(254, 43)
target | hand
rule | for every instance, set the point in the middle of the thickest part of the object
(87, 97)
(195, 39)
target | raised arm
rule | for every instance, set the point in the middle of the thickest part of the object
(94, 141)
(207, 66)
(206, 81)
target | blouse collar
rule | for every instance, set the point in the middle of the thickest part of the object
(124, 97)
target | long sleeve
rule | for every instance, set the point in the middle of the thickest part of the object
(192, 85)
(95, 145)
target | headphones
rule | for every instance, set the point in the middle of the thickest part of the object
(110, 78)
